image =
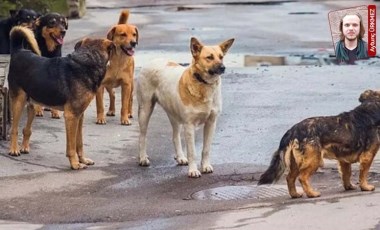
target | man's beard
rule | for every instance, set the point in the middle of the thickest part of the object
(352, 38)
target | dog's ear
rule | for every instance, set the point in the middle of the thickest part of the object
(195, 47)
(79, 44)
(66, 23)
(137, 35)
(37, 23)
(226, 45)
(13, 13)
(110, 46)
(111, 33)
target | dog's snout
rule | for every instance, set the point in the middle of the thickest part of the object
(222, 68)
(133, 43)
(63, 33)
(217, 69)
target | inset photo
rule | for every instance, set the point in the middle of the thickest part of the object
(349, 35)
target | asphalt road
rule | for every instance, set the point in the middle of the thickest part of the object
(39, 190)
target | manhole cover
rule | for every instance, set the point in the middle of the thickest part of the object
(242, 192)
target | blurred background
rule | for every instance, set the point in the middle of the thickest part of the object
(69, 8)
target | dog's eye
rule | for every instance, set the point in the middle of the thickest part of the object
(52, 23)
(134, 35)
(221, 57)
(123, 34)
(210, 57)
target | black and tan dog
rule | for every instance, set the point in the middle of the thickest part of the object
(22, 17)
(64, 83)
(121, 72)
(349, 137)
(49, 31)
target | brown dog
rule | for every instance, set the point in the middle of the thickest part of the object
(66, 83)
(121, 72)
(348, 137)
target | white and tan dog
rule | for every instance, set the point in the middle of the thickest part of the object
(190, 96)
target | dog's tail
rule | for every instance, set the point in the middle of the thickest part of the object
(279, 160)
(22, 37)
(123, 17)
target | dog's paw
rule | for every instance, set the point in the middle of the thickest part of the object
(349, 187)
(144, 162)
(39, 113)
(181, 160)
(101, 121)
(78, 166)
(207, 168)
(296, 195)
(313, 194)
(25, 150)
(111, 113)
(126, 122)
(367, 187)
(86, 161)
(194, 173)
(55, 114)
(14, 153)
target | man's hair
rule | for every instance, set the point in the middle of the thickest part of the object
(362, 29)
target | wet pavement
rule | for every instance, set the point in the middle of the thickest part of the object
(166, 31)
(39, 191)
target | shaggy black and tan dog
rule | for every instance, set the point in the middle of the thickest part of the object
(64, 83)
(349, 137)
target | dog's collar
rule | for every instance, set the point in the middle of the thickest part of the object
(200, 79)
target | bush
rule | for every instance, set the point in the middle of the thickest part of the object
(64, 7)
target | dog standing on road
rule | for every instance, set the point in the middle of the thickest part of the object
(49, 31)
(349, 137)
(65, 83)
(121, 72)
(190, 96)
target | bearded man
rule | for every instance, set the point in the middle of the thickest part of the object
(351, 46)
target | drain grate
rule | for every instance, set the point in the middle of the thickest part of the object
(242, 192)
